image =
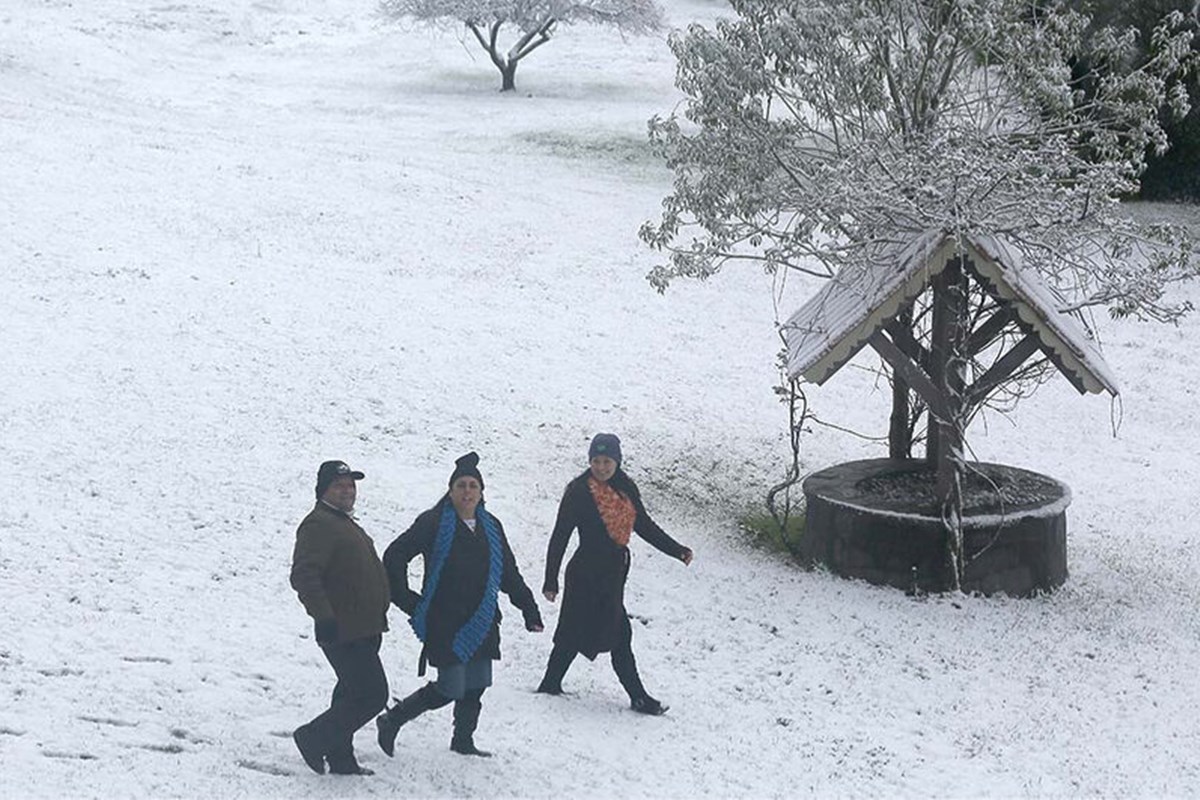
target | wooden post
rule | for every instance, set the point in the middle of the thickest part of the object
(899, 431)
(948, 368)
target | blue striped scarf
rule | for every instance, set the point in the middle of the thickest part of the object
(471, 635)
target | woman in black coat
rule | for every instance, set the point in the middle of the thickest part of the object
(605, 506)
(467, 563)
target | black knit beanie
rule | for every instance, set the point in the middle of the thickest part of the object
(467, 465)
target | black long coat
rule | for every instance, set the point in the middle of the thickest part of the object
(593, 602)
(460, 587)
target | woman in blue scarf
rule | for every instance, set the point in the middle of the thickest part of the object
(456, 615)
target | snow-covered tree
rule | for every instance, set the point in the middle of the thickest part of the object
(815, 130)
(532, 22)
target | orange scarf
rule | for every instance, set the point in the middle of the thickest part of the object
(616, 511)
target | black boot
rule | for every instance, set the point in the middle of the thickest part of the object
(351, 767)
(625, 666)
(342, 761)
(556, 668)
(388, 723)
(466, 718)
(310, 749)
(648, 705)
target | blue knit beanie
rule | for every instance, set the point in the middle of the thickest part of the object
(605, 444)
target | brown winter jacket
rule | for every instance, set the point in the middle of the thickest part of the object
(337, 574)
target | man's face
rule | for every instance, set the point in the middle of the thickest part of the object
(465, 494)
(603, 468)
(342, 493)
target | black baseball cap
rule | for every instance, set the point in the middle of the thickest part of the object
(331, 471)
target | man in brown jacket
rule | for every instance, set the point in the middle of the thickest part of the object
(344, 588)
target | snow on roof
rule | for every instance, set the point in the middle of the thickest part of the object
(837, 322)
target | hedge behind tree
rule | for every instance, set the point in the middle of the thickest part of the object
(1175, 175)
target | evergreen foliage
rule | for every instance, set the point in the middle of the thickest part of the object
(1175, 174)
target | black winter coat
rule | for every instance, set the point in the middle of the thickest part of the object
(460, 587)
(593, 602)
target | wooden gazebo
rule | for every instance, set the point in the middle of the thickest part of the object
(861, 308)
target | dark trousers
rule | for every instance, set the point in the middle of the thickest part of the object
(623, 663)
(361, 693)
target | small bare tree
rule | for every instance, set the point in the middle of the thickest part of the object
(534, 22)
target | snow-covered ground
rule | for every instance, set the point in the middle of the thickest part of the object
(239, 238)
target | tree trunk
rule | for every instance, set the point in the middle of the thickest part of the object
(508, 77)
(947, 366)
(948, 370)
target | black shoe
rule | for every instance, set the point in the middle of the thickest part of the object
(466, 747)
(303, 737)
(350, 769)
(386, 728)
(549, 688)
(649, 706)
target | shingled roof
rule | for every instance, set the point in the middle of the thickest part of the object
(836, 323)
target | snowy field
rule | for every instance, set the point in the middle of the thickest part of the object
(238, 238)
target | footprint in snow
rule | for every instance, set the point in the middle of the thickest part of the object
(62, 754)
(189, 737)
(171, 748)
(255, 676)
(269, 769)
(60, 672)
(118, 723)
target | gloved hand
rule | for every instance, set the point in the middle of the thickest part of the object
(325, 631)
(533, 622)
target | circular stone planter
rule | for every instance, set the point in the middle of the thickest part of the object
(879, 520)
